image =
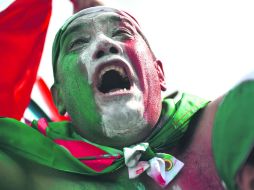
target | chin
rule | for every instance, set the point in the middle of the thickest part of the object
(123, 119)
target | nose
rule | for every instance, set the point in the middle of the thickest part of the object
(106, 46)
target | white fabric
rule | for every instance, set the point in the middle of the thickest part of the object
(155, 167)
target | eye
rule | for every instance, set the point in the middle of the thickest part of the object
(122, 33)
(78, 43)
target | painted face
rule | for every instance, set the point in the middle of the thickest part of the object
(108, 79)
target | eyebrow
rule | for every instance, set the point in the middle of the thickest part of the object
(70, 30)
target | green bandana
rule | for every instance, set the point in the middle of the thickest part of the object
(233, 132)
(29, 143)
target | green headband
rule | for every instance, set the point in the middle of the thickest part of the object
(91, 10)
(233, 132)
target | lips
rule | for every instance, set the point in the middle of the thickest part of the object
(113, 77)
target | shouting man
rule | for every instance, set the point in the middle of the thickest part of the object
(122, 135)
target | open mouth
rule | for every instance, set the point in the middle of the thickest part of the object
(112, 79)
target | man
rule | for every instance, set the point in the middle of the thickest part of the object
(233, 138)
(121, 135)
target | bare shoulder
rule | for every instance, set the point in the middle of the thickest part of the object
(203, 133)
(207, 117)
(12, 175)
(201, 128)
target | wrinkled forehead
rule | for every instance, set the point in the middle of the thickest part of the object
(100, 13)
(114, 16)
(103, 18)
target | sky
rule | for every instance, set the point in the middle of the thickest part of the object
(206, 46)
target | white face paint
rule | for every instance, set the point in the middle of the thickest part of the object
(123, 117)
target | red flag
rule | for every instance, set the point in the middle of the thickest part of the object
(23, 27)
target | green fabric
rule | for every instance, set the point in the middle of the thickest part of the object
(27, 142)
(233, 132)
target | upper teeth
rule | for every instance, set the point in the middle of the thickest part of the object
(120, 70)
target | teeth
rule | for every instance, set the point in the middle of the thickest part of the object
(120, 90)
(112, 67)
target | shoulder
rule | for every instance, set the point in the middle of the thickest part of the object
(199, 132)
(12, 175)
(207, 117)
(204, 124)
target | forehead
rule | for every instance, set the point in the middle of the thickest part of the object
(99, 18)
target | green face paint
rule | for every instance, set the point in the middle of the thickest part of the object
(77, 94)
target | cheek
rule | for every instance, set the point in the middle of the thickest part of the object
(77, 92)
(83, 104)
(140, 56)
(86, 65)
(65, 68)
(143, 62)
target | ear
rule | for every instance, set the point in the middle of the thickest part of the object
(245, 177)
(160, 73)
(57, 97)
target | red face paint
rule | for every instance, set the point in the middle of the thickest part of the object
(145, 66)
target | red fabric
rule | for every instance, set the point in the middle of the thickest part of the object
(80, 149)
(42, 125)
(23, 27)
